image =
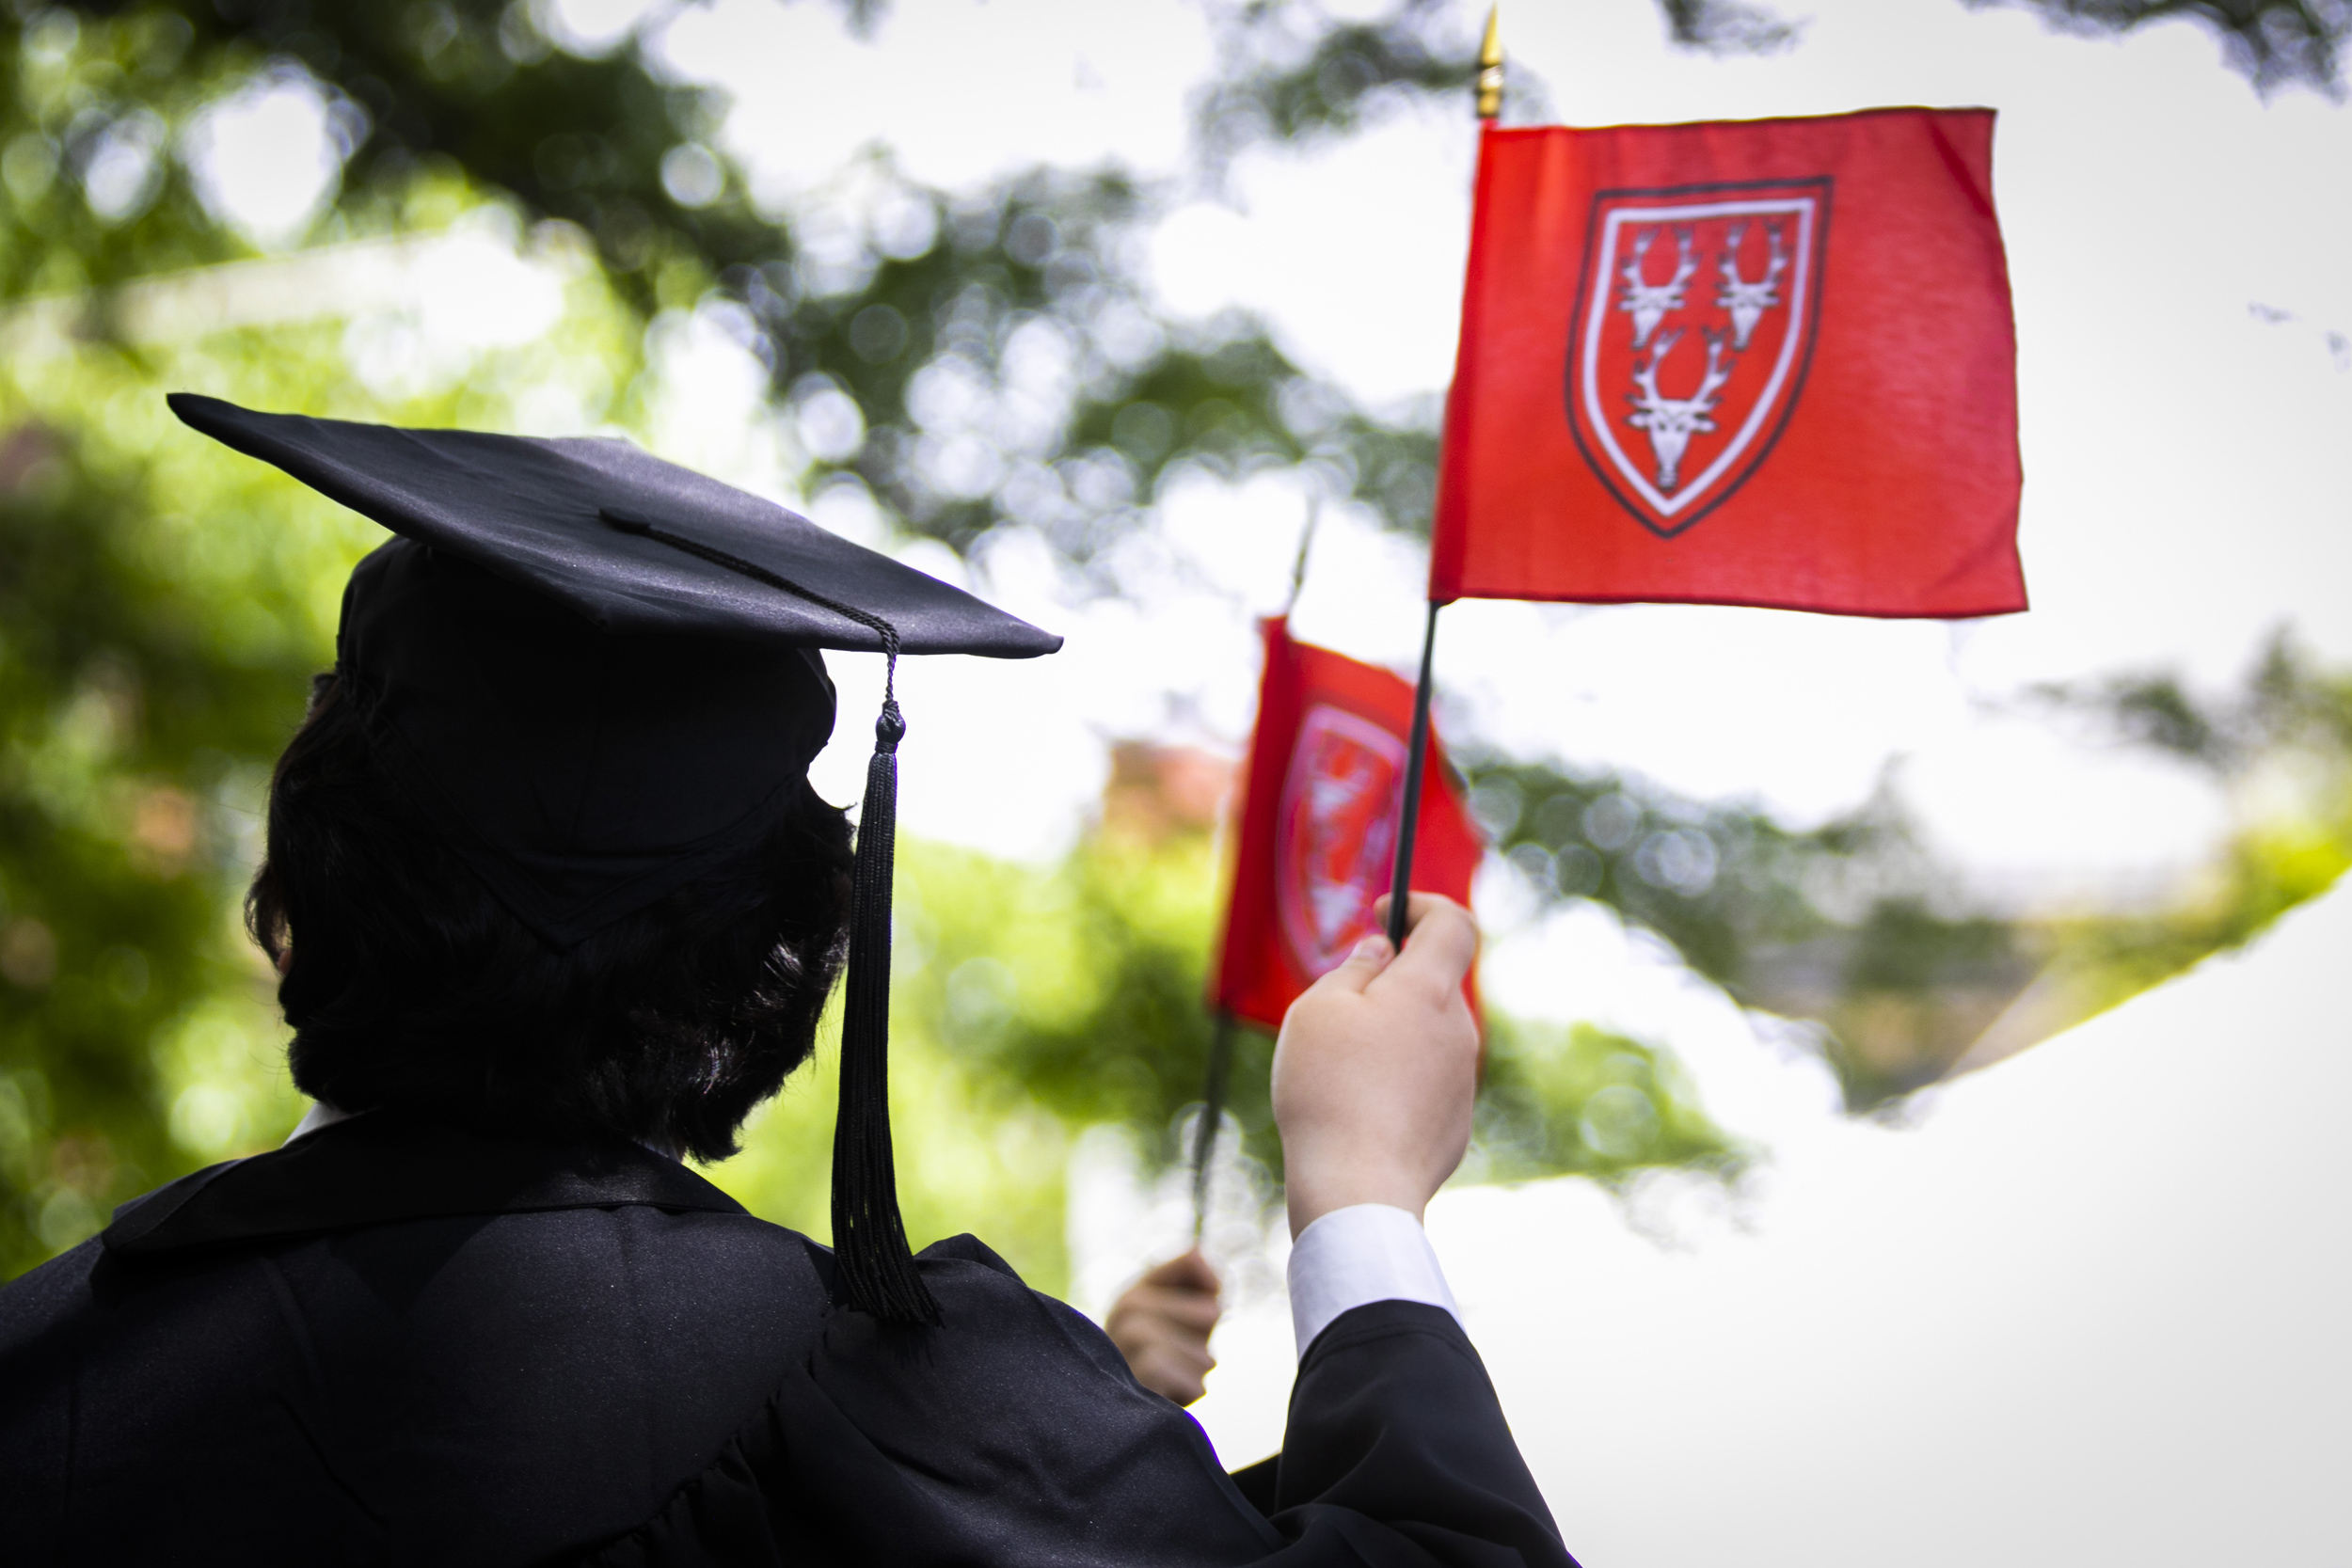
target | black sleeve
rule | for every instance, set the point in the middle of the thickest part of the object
(1256, 1484)
(1014, 1433)
(1393, 1424)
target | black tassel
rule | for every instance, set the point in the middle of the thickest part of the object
(869, 1238)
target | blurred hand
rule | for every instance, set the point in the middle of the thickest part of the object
(1376, 1069)
(1162, 1324)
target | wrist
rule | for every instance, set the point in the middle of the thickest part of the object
(1310, 1196)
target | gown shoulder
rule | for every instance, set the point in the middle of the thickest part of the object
(1013, 1433)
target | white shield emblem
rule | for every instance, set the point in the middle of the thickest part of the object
(1335, 835)
(1695, 321)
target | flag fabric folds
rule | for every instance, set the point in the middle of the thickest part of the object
(1764, 363)
(1318, 825)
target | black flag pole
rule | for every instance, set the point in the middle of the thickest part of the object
(1212, 1117)
(1408, 809)
(1408, 815)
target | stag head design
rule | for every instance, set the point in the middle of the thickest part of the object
(1648, 303)
(1745, 301)
(1693, 324)
(1671, 421)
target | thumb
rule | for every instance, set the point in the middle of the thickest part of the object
(1443, 942)
(1361, 967)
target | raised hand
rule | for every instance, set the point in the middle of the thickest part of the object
(1376, 1069)
(1161, 1325)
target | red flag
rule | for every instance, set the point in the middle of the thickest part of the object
(1318, 825)
(1768, 363)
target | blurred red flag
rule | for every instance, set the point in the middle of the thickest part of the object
(1318, 825)
(1768, 363)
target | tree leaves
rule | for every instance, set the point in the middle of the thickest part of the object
(2273, 43)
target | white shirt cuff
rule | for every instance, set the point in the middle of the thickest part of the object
(1364, 1252)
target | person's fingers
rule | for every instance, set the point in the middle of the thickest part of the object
(1361, 967)
(1420, 909)
(1172, 1383)
(1192, 1359)
(1417, 907)
(1189, 1273)
(1188, 1310)
(1188, 1352)
(1440, 942)
(1434, 918)
(1165, 1357)
(1177, 1378)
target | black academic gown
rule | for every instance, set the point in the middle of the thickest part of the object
(396, 1342)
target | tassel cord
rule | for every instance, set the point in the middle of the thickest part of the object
(629, 522)
(878, 1268)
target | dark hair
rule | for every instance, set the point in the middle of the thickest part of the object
(410, 984)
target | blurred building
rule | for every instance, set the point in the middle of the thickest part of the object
(1158, 793)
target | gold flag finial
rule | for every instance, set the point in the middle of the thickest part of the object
(1490, 67)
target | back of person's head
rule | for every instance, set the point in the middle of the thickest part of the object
(409, 983)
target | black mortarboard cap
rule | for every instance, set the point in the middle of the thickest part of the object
(596, 674)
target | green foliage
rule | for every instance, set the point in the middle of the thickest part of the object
(2274, 44)
(1028, 1004)
(1850, 924)
(2285, 710)
(115, 751)
(87, 117)
(973, 1152)
(470, 86)
(163, 605)
(1903, 945)
(1291, 72)
(1729, 27)
(2282, 745)
(1913, 988)
(2265, 871)
(1583, 1100)
(1007, 371)
(1079, 990)
(1856, 928)
(932, 313)
(1720, 882)
(1080, 985)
